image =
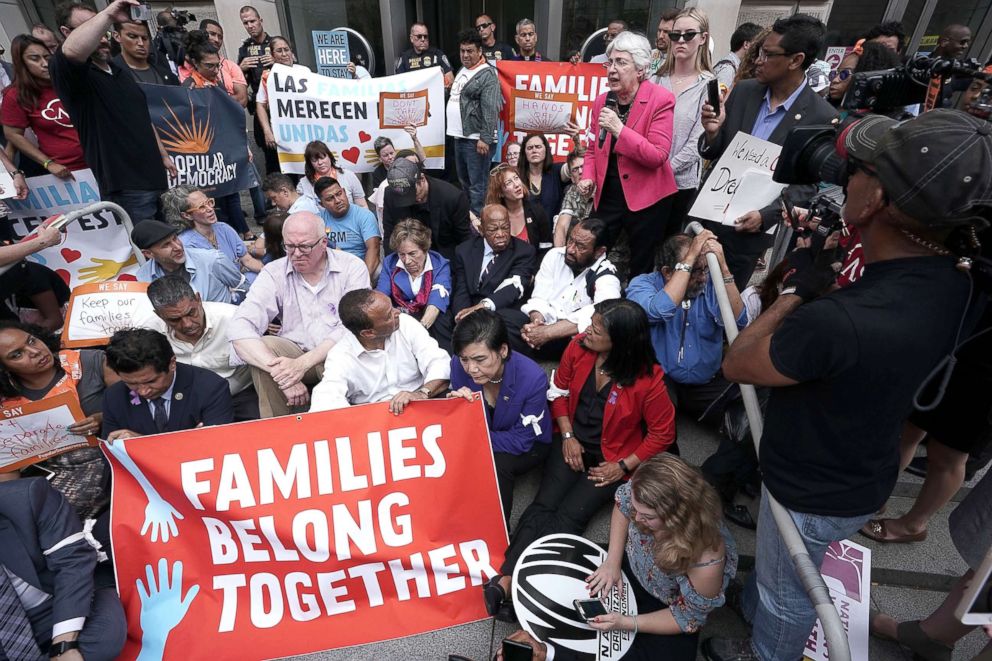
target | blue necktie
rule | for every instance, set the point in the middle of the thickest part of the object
(16, 636)
(161, 417)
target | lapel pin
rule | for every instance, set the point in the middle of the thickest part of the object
(506, 398)
(178, 396)
(798, 117)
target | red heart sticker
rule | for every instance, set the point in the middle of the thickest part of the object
(62, 273)
(70, 255)
(363, 136)
(127, 277)
(352, 154)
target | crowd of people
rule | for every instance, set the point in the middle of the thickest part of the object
(412, 285)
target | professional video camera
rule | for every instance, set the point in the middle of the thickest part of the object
(905, 85)
(182, 17)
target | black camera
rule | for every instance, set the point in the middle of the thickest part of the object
(883, 91)
(809, 156)
(182, 17)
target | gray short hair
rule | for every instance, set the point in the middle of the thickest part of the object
(175, 202)
(381, 142)
(637, 45)
(524, 22)
(169, 290)
(307, 216)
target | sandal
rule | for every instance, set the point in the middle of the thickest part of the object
(875, 529)
(739, 515)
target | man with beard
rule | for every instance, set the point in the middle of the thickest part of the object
(686, 327)
(109, 109)
(570, 282)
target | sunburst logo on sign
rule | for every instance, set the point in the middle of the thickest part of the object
(194, 137)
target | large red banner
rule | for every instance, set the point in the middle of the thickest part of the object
(303, 533)
(536, 93)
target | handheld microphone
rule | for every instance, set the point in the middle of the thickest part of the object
(611, 103)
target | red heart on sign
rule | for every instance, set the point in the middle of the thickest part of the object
(70, 255)
(62, 273)
(127, 277)
(363, 136)
(352, 154)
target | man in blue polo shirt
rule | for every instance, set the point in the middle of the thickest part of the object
(686, 327)
(350, 228)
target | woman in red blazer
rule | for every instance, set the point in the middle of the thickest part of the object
(609, 401)
(628, 160)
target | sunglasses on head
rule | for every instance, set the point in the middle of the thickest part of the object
(688, 35)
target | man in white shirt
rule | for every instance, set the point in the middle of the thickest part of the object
(569, 283)
(386, 355)
(197, 331)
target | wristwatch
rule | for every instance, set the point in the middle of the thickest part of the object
(567, 435)
(623, 467)
(58, 649)
(14, 173)
(425, 391)
(682, 266)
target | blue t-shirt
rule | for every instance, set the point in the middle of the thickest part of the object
(350, 232)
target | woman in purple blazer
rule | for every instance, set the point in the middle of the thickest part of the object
(515, 391)
(628, 159)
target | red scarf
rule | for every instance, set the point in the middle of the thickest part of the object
(419, 302)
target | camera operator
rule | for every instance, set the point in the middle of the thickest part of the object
(843, 368)
(169, 40)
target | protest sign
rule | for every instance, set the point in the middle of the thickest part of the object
(743, 154)
(345, 114)
(543, 89)
(331, 52)
(204, 132)
(835, 54)
(754, 191)
(7, 189)
(98, 310)
(37, 430)
(95, 248)
(398, 110)
(847, 572)
(301, 533)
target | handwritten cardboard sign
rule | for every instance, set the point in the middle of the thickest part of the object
(743, 154)
(398, 110)
(38, 430)
(98, 310)
(543, 112)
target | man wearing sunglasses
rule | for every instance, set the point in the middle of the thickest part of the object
(766, 107)
(492, 50)
(421, 55)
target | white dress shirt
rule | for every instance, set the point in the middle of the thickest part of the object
(559, 294)
(356, 375)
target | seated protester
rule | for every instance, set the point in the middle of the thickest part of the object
(569, 283)
(686, 326)
(157, 394)
(48, 563)
(609, 400)
(515, 391)
(435, 203)
(268, 246)
(32, 368)
(303, 290)
(189, 208)
(282, 194)
(541, 177)
(387, 153)
(378, 196)
(528, 220)
(493, 271)
(350, 228)
(211, 274)
(197, 332)
(384, 356)
(575, 206)
(416, 279)
(35, 294)
(320, 162)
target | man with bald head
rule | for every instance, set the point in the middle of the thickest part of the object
(302, 290)
(954, 42)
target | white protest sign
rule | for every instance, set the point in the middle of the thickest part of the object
(744, 153)
(835, 54)
(98, 310)
(542, 112)
(7, 189)
(398, 110)
(847, 572)
(755, 190)
(344, 114)
(37, 430)
(94, 248)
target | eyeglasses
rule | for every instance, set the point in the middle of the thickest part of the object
(209, 204)
(420, 36)
(764, 55)
(686, 36)
(618, 63)
(840, 74)
(482, 26)
(302, 248)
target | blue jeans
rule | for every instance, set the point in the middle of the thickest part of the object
(473, 171)
(139, 204)
(781, 614)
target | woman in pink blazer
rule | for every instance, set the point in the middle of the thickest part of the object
(629, 165)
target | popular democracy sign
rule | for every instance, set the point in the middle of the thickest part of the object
(302, 533)
(204, 132)
(345, 114)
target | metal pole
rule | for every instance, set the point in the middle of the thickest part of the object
(809, 575)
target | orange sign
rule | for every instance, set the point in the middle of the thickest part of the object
(99, 309)
(35, 431)
(302, 533)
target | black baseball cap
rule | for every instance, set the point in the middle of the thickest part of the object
(149, 232)
(934, 168)
(402, 178)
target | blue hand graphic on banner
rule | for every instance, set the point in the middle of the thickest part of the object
(163, 607)
(160, 516)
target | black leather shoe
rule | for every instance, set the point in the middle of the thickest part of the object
(494, 595)
(740, 515)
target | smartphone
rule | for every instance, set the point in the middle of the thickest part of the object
(589, 608)
(713, 95)
(590, 460)
(141, 13)
(514, 651)
(975, 607)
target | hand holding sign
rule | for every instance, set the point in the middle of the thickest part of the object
(163, 606)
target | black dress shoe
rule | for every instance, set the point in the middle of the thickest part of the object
(917, 467)
(740, 515)
(494, 595)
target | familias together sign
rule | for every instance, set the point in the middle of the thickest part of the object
(296, 534)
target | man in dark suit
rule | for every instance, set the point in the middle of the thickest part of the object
(155, 394)
(767, 107)
(493, 271)
(49, 604)
(435, 203)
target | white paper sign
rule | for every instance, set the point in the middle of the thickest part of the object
(847, 572)
(7, 189)
(97, 311)
(543, 112)
(755, 191)
(38, 430)
(744, 153)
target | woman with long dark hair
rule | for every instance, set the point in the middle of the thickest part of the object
(319, 161)
(543, 180)
(609, 401)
